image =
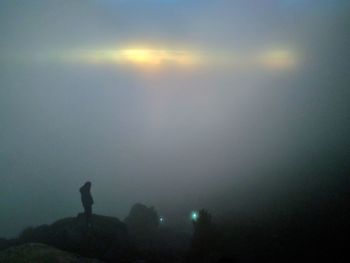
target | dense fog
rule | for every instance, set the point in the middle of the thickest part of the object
(240, 107)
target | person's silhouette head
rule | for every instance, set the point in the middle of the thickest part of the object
(87, 185)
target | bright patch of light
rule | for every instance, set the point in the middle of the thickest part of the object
(157, 57)
(140, 56)
(277, 59)
(194, 215)
(137, 56)
(151, 58)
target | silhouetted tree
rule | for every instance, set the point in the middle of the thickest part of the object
(142, 219)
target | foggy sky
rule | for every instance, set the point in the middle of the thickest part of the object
(179, 139)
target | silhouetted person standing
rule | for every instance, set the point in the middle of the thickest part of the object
(87, 200)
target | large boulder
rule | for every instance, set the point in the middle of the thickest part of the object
(37, 253)
(106, 238)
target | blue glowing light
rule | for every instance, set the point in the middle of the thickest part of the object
(194, 215)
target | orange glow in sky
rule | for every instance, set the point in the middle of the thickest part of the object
(151, 58)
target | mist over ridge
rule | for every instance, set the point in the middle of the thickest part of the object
(238, 140)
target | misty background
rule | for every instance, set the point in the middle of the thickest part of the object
(238, 142)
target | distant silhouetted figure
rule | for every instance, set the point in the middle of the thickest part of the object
(204, 239)
(87, 200)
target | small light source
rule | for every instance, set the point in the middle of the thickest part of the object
(194, 215)
(161, 220)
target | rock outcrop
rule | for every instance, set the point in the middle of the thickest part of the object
(40, 253)
(106, 239)
(139, 239)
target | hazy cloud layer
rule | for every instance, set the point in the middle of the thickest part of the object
(177, 138)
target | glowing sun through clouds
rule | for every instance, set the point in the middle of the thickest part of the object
(142, 57)
(150, 58)
(157, 57)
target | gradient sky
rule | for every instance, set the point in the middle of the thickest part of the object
(235, 131)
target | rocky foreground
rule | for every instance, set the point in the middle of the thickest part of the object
(107, 239)
(40, 253)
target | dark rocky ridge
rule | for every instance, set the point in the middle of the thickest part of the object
(107, 239)
(36, 252)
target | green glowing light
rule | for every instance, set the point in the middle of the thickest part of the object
(194, 215)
